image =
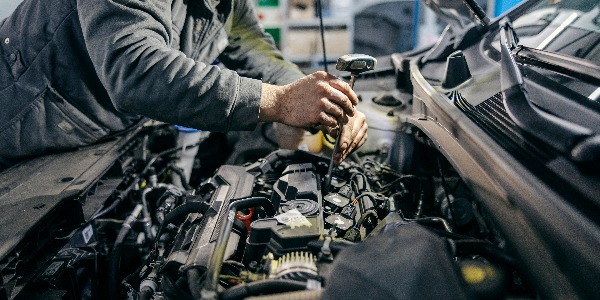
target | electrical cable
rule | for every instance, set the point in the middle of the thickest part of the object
(137, 180)
(119, 198)
(445, 188)
(364, 216)
(361, 202)
(443, 221)
(184, 180)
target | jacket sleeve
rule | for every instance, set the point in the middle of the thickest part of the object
(252, 52)
(128, 44)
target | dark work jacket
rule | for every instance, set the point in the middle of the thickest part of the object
(75, 71)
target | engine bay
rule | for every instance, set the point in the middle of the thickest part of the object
(268, 228)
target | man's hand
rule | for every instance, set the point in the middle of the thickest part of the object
(354, 135)
(316, 100)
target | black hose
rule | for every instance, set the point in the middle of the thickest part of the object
(184, 180)
(183, 210)
(115, 260)
(426, 220)
(433, 220)
(193, 277)
(269, 286)
(179, 213)
(216, 259)
(336, 245)
(115, 265)
(174, 290)
(122, 195)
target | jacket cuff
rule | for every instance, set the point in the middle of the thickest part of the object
(244, 114)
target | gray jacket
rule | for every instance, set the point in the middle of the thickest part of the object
(75, 71)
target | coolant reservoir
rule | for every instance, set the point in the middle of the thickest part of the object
(293, 138)
(386, 114)
(185, 160)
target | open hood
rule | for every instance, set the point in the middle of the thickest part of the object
(458, 13)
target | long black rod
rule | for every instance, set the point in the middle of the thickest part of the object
(322, 35)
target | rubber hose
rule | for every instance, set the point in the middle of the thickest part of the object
(115, 260)
(300, 295)
(272, 286)
(115, 264)
(184, 210)
(183, 179)
(336, 246)
(216, 259)
(193, 276)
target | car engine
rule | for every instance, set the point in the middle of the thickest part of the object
(270, 228)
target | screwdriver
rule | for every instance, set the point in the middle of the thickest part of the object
(355, 64)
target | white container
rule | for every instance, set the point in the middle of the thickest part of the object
(185, 160)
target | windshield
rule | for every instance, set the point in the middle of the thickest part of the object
(570, 27)
(567, 27)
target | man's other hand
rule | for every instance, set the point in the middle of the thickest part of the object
(354, 135)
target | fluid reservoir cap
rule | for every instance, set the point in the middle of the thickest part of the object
(305, 206)
(487, 281)
(388, 99)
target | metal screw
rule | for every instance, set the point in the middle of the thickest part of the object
(6, 40)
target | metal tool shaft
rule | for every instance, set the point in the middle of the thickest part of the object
(337, 142)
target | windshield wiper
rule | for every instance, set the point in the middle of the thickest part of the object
(565, 64)
(578, 143)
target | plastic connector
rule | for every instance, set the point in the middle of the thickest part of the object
(346, 191)
(349, 211)
(353, 235)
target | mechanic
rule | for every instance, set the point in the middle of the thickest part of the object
(76, 71)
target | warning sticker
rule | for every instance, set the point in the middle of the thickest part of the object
(293, 218)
